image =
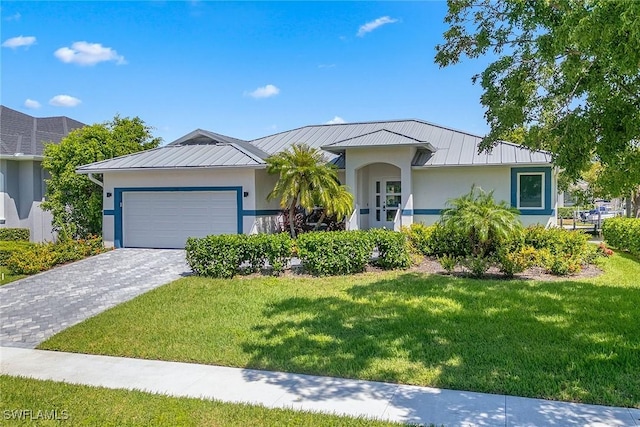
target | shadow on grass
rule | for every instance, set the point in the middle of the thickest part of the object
(567, 340)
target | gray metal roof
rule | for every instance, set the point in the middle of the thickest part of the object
(438, 146)
(25, 134)
(177, 156)
(452, 147)
(378, 138)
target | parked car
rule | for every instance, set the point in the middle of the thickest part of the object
(600, 214)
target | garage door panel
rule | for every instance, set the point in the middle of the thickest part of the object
(165, 219)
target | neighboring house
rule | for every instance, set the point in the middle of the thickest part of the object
(22, 186)
(400, 172)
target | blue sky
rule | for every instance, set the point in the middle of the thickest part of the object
(242, 69)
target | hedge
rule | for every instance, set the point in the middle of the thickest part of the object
(394, 249)
(7, 248)
(223, 255)
(15, 234)
(622, 233)
(335, 252)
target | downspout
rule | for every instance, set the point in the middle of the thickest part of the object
(93, 179)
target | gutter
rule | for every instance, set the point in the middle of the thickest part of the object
(93, 179)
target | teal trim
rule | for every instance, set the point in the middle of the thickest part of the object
(117, 200)
(261, 212)
(108, 212)
(427, 211)
(407, 212)
(546, 170)
(364, 211)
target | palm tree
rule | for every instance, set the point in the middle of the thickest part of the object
(484, 222)
(337, 202)
(305, 178)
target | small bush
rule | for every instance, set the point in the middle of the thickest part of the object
(448, 262)
(477, 264)
(32, 260)
(511, 261)
(394, 249)
(420, 237)
(8, 248)
(74, 250)
(558, 241)
(278, 249)
(447, 241)
(215, 256)
(623, 234)
(334, 252)
(15, 234)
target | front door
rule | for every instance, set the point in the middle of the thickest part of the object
(387, 201)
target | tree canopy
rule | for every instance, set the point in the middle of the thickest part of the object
(307, 180)
(566, 79)
(74, 201)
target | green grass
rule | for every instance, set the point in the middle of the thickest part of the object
(95, 406)
(7, 277)
(573, 340)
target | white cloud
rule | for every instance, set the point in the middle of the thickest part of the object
(372, 25)
(19, 41)
(30, 103)
(264, 92)
(336, 121)
(64, 101)
(15, 17)
(83, 53)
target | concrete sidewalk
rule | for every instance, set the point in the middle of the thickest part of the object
(409, 404)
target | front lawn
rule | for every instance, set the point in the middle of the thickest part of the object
(7, 277)
(33, 402)
(573, 340)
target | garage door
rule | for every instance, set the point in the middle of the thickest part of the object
(164, 219)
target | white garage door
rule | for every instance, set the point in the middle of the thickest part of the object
(164, 219)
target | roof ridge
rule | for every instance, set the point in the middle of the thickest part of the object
(376, 131)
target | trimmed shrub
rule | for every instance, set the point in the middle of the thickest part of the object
(623, 233)
(394, 249)
(8, 248)
(477, 264)
(32, 259)
(278, 249)
(334, 252)
(74, 250)
(420, 237)
(215, 256)
(515, 261)
(447, 241)
(15, 234)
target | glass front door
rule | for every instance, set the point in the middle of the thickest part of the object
(387, 202)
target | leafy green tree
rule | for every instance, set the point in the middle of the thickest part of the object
(305, 180)
(566, 79)
(337, 203)
(74, 201)
(484, 222)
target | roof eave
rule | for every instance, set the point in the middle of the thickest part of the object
(169, 168)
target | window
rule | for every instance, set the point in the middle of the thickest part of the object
(531, 190)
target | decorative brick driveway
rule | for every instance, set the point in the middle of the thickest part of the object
(37, 307)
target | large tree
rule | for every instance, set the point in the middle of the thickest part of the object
(305, 179)
(566, 77)
(74, 201)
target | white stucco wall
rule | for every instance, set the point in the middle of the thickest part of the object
(434, 186)
(232, 177)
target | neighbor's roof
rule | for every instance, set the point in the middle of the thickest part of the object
(437, 146)
(187, 155)
(22, 134)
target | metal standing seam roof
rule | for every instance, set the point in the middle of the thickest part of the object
(178, 156)
(438, 146)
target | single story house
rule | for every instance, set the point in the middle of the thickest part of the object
(400, 172)
(22, 178)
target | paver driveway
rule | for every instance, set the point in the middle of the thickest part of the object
(37, 307)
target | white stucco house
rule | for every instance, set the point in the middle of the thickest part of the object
(400, 172)
(22, 178)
